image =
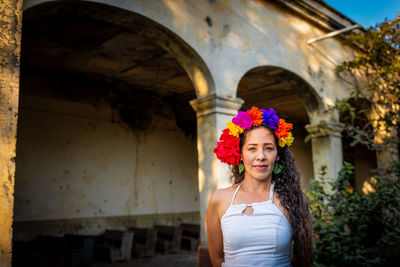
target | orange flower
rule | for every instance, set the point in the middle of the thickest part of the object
(256, 115)
(283, 129)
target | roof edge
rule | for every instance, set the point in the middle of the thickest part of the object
(318, 13)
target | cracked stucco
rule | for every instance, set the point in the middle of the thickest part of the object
(10, 43)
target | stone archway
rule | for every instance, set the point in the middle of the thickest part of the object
(73, 61)
(265, 84)
(187, 57)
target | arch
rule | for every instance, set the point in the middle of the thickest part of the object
(184, 54)
(280, 77)
(58, 9)
(362, 156)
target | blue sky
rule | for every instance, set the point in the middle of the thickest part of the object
(367, 12)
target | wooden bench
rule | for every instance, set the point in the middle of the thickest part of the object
(190, 236)
(144, 243)
(168, 238)
(113, 246)
(79, 249)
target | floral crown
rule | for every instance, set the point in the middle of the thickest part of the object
(228, 150)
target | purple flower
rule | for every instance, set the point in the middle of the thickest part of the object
(243, 120)
(270, 118)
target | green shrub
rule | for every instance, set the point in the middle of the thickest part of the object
(356, 229)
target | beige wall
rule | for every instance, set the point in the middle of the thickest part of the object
(74, 163)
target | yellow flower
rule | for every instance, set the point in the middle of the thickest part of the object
(288, 140)
(234, 129)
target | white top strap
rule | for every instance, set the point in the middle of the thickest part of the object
(271, 192)
(234, 195)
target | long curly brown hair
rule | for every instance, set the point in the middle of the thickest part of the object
(287, 186)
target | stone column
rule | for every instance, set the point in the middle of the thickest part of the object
(213, 113)
(10, 43)
(326, 143)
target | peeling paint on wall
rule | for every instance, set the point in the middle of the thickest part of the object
(91, 167)
(10, 41)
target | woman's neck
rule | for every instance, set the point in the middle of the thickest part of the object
(254, 185)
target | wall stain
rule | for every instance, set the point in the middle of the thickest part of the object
(226, 30)
(209, 21)
(133, 200)
(154, 203)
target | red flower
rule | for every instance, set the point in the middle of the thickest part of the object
(227, 149)
(225, 135)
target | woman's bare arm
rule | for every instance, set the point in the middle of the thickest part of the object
(214, 232)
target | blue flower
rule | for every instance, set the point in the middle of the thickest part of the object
(270, 118)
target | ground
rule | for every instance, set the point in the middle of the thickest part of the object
(181, 259)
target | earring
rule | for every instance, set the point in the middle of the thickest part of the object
(277, 168)
(241, 167)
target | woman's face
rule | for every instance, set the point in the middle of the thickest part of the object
(259, 154)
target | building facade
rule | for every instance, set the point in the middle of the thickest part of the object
(111, 109)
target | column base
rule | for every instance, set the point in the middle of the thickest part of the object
(203, 257)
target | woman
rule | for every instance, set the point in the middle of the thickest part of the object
(263, 219)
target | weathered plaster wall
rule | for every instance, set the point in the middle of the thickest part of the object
(10, 41)
(73, 162)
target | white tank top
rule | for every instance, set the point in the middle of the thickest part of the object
(260, 239)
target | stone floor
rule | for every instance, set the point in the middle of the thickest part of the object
(181, 259)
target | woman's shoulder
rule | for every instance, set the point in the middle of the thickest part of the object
(221, 199)
(223, 196)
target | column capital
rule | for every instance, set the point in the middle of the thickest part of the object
(216, 104)
(323, 128)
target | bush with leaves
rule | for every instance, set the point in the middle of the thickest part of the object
(355, 229)
(373, 109)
